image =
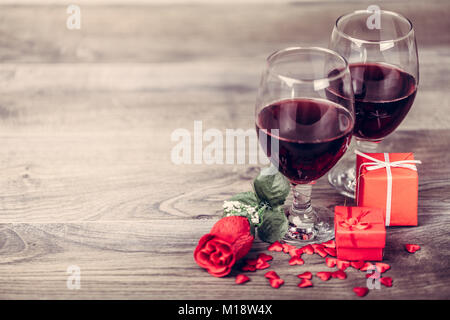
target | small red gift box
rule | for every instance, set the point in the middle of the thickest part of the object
(388, 181)
(360, 233)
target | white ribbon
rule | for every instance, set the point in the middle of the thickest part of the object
(378, 164)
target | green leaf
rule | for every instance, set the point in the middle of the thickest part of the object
(274, 225)
(248, 198)
(271, 186)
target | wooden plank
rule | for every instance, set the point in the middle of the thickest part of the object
(144, 261)
(189, 32)
(153, 260)
(127, 177)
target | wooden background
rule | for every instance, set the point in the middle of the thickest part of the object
(86, 118)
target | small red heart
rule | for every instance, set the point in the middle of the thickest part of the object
(271, 275)
(411, 248)
(360, 291)
(296, 261)
(276, 282)
(339, 274)
(248, 268)
(367, 266)
(287, 247)
(330, 251)
(329, 244)
(317, 245)
(386, 281)
(382, 267)
(276, 246)
(305, 283)
(324, 275)
(308, 249)
(342, 264)
(261, 265)
(265, 257)
(251, 262)
(357, 264)
(330, 262)
(295, 252)
(241, 278)
(321, 252)
(305, 275)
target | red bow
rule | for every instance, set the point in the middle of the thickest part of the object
(351, 223)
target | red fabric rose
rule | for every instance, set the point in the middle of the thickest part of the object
(228, 241)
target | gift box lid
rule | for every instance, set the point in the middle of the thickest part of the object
(359, 227)
(398, 172)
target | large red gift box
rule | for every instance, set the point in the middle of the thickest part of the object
(360, 233)
(388, 181)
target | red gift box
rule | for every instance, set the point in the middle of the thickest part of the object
(360, 233)
(388, 181)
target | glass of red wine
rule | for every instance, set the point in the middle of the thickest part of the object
(302, 131)
(381, 50)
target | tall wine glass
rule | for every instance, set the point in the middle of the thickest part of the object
(383, 62)
(302, 131)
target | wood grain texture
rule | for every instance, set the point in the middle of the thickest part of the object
(85, 127)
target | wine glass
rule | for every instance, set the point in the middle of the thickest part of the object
(383, 62)
(302, 131)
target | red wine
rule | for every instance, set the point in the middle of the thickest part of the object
(383, 96)
(312, 136)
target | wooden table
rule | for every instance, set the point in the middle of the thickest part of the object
(86, 121)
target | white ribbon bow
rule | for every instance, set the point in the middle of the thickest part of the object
(378, 164)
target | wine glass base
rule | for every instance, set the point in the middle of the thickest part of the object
(343, 179)
(321, 230)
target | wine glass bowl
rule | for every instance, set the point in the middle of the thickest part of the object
(384, 66)
(302, 130)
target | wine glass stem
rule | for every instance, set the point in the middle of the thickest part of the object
(366, 146)
(301, 204)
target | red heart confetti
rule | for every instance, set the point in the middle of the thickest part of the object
(411, 248)
(367, 266)
(330, 244)
(317, 245)
(308, 249)
(287, 247)
(261, 265)
(339, 274)
(276, 246)
(305, 283)
(241, 278)
(321, 252)
(360, 291)
(271, 275)
(305, 275)
(330, 251)
(248, 268)
(295, 252)
(330, 262)
(276, 282)
(386, 281)
(357, 264)
(342, 264)
(296, 261)
(251, 262)
(324, 275)
(264, 257)
(382, 267)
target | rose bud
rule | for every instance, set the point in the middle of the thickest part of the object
(229, 240)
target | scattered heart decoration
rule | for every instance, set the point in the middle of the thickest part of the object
(411, 248)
